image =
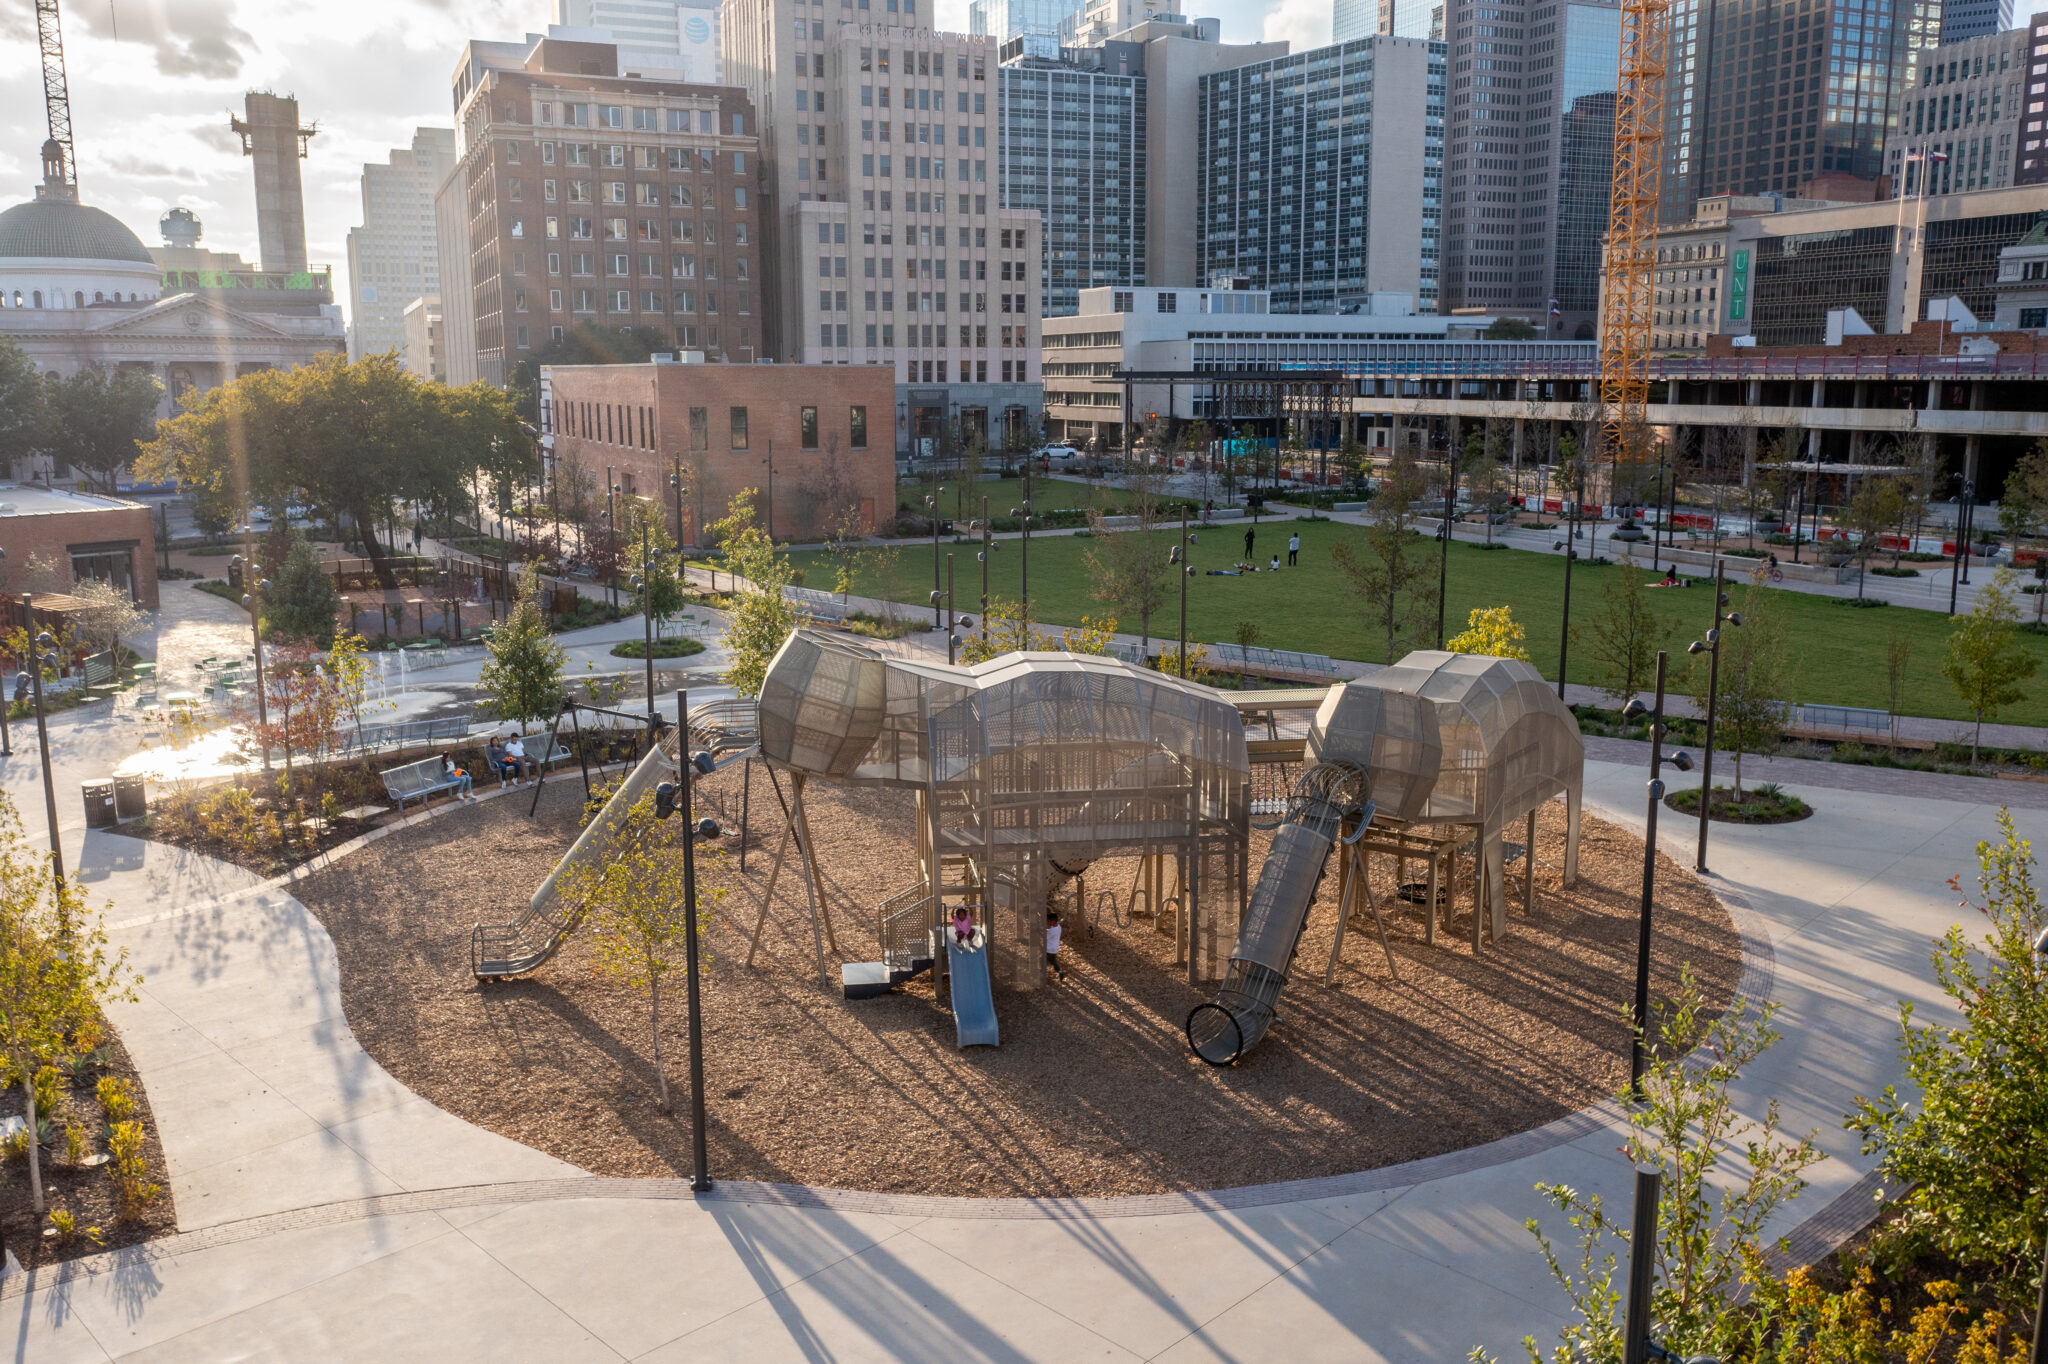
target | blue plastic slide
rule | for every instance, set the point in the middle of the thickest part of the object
(974, 1004)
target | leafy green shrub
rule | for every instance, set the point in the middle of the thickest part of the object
(117, 1098)
(1971, 1151)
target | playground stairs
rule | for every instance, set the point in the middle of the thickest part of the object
(907, 950)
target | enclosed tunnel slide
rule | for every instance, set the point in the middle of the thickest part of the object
(1235, 1021)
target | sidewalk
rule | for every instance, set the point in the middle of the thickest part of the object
(327, 1213)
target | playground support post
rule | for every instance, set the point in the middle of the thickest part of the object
(700, 1173)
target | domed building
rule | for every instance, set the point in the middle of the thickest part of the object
(78, 288)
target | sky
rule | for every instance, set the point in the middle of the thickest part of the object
(154, 82)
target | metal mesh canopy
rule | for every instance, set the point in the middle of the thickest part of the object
(1507, 743)
(1024, 749)
(1390, 732)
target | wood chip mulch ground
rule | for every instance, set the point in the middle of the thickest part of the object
(87, 1193)
(1093, 1091)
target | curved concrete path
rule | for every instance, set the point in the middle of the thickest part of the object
(325, 1212)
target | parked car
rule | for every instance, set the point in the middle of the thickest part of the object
(1629, 530)
(1056, 452)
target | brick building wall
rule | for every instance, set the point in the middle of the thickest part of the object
(828, 428)
(85, 535)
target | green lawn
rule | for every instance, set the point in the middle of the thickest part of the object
(1836, 652)
(1047, 494)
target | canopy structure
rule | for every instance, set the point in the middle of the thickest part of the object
(1027, 767)
(1473, 740)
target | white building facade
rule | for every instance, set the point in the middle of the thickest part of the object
(1964, 107)
(666, 39)
(392, 258)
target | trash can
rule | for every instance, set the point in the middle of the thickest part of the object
(99, 803)
(131, 798)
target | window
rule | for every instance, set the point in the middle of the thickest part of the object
(2033, 319)
(554, 300)
(807, 425)
(700, 427)
(857, 417)
(739, 428)
(622, 301)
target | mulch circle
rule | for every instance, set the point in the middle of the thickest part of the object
(1093, 1090)
(1721, 813)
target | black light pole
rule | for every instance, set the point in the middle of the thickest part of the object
(1711, 644)
(675, 485)
(1179, 557)
(1639, 1010)
(42, 647)
(1655, 530)
(700, 1163)
(611, 537)
(1969, 519)
(988, 547)
(1564, 642)
(931, 506)
(1024, 565)
(1959, 567)
(770, 462)
(1642, 1268)
(647, 610)
(1443, 573)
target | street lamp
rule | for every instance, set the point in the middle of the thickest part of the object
(666, 799)
(644, 585)
(1024, 565)
(1443, 575)
(611, 537)
(253, 603)
(989, 545)
(43, 654)
(953, 624)
(1959, 571)
(931, 507)
(1711, 645)
(1639, 1015)
(770, 462)
(1178, 555)
(675, 485)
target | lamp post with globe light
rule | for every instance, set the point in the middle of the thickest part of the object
(1639, 1012)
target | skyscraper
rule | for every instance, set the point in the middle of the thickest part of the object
(1320, 174)
(674, 39)
(391, 258)
(1962, 20)
(1073, 151)
(1530, 153)
(882, 208)
(1006, 19)
(1959, 121)
(1766, 95)
(1394, 18)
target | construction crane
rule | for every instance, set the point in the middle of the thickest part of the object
(56, 90)
(1629, 290)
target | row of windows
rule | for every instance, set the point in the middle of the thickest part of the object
(618, 424)
(917, 168)
(921, 133)
(623, 301)
(579, 229)
(620, 265)
(618, 156)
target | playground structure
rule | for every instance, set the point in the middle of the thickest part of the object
(1027, 769)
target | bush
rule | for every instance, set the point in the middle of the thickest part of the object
(1896, 572)
(663, 648)
(1861, 603)
(1971, 1148)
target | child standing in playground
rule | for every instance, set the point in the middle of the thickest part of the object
(1052, 943)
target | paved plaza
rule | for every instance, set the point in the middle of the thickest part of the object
(325, 1212)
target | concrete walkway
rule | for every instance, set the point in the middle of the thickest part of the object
(327, 1213)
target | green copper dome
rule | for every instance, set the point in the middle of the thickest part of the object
(56, 229)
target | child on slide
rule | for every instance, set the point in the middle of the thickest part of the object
(963, 926)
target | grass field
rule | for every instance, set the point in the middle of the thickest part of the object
(1835, 653)
(1047, 494)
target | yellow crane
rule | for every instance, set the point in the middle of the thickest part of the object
(1629, 287)
(56, 90)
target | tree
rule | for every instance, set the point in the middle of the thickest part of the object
(1509, 329)
(1874, 509)
(20, 405)
(1484, 476)
(1008, 633)
(760, 616)
(658, 586)
(2024, 503)
(302, 709)
(1898, 657)
(109, 614)
(93, 419)
(843, 550)
(301, 607)
(1129, 567)
(1388, 572)
(1626, 636)
(348, 664)
(585, 343)
(1748, 713)
(56, 970)
(1986, 661)
(523, 666)
(1491, 631)
(635, 902)
(1967, 1147)
(354, 438)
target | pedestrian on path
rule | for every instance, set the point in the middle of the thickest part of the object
(1293, 548)
(1249, 535)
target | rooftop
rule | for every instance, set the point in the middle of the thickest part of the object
(31, 499)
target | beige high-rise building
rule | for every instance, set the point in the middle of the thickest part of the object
(882, 210)
(422, 353)
(391, 258)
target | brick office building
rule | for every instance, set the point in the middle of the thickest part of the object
(820, 436)
(87, 536)
(591, 196)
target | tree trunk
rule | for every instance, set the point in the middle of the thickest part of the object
(366, 527)
(660, 1070)
(1738, 776)
(1976, 737)
(35, 1162)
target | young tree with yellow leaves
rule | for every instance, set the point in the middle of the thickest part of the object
(1492, 631)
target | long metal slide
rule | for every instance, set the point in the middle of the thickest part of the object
(1237, 1018)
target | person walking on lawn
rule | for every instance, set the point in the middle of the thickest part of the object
(1293, 548)
(1249, 535)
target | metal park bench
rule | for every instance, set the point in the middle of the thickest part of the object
(1284, 663)
(816, 603)
(417, 781)
(1853, 722)
(407, 734)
